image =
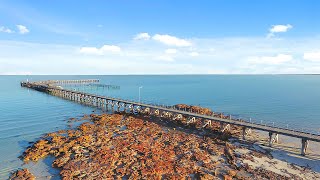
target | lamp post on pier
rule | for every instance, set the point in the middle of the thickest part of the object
(139, 92)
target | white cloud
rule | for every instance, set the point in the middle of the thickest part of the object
(312, 56)
(278, 29)
(171, 51)
(271, 60)
(23, 29)
(100, 51)
(165, 58)
(142, 36)
(90, 50)
(194, 54)
(5, 30)
(171, 40)
(110, 48)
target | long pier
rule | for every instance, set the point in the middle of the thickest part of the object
(51, 87)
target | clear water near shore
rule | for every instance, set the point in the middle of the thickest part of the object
(283, 99)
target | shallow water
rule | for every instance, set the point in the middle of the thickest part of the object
(284, 99)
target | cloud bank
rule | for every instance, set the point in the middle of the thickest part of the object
(203, 56)
(312, 56)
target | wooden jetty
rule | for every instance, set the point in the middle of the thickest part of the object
(52, 88)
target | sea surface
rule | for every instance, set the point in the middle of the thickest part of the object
(291, 101)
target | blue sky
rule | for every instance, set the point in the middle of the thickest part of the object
(159, 37)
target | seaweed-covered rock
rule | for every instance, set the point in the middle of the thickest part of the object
(130, 147)
(22, 174)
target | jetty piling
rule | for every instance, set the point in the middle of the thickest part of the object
(304, 146)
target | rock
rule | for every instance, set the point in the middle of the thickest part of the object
(23, 174)
(227, 177)
(243, 175)
(207, 176)
(232, 172)
(217, 172)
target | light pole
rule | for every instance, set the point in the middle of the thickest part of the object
(139, 92)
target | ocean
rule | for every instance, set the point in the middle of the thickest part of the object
(291, 101)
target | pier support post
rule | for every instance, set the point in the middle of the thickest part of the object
(270, 139)
(224, 127)
(107, 104)
(124, 107)
(131, 106)
(274, 139)
(304, 143)
(192, 120)
(208, 123)
(244, 133)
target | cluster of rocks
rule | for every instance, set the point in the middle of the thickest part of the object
(22, 174)
(132, 147)
(197, 109)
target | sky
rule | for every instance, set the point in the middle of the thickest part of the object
(159, 37)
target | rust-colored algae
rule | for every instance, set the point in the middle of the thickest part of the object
(22, 174)
(135, 147)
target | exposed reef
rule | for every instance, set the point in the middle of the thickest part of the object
(144, 147)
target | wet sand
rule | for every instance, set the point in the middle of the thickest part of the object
(289, 149)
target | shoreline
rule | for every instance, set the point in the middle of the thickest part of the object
(238, 150)
(288, 149)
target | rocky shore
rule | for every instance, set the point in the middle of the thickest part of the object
(131, 146)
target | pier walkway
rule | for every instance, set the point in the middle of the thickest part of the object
(52, 87)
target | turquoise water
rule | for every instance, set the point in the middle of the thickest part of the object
(286, 100)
